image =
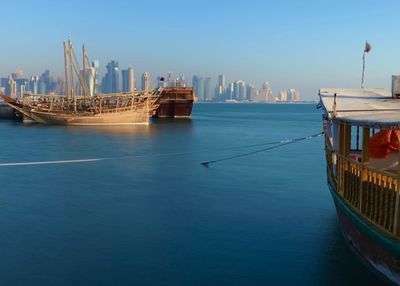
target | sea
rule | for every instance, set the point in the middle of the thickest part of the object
(134, 205)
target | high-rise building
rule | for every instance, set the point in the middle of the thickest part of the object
(207, 89)
(181, 81)
(222, 81)
(229, 91)
(90, 79)
(293, 95)
(200, 89)
(96, 66)
(220, 88)
(128, 80)
(251, 92)
(146, 83)
(283, 95)
(195, 84)
(239, 90)
(265, 95)
(110, 82)
(170, 79)
(22, 86)
(33, 85)
(3, 85)
(11, 88)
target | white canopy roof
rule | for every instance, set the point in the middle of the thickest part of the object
(373, 107)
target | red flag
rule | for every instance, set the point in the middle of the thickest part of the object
(367, 47)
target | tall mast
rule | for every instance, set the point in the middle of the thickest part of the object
(84, 71)
(66, 70)
(71, 72)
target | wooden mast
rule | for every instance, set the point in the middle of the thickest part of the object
(71, 73)
(84, 72)
(66, 70)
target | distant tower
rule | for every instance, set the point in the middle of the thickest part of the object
(229, 91)
(128, 80)
(146, 84)
(283, 95)
(195, 84)
(239, 90)
(96, 77)
(89, 80)
(181, 81)
(11, 88)
(266, 94)
(220, 88)
(293, 95)
(33, 84)
(207, 89)
(170, 79)
(222, 81)
(200, 89)
(251, 92)
(110, 83)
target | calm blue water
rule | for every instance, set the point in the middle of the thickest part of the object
(158, 217)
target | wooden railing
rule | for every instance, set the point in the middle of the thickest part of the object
(372, 193)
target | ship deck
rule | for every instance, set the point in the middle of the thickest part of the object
(373, 107)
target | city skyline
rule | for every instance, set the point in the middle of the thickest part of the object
(124, 80)
(305, 45)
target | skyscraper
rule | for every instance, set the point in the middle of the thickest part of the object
(11, 88)
(89, 80)
(229, 91)
(195, 84)
(251, 92)
(293, 95)
(221, 81)
(110, 82)
(128, 80)
(200, 89)
(265, 94)
(207, 89)
(96, 66)
(146, 84)
(220, 88)
(170, 79)
(283, 95)
(33, 85)
(239, 90)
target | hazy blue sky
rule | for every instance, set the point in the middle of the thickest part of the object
(301, 44)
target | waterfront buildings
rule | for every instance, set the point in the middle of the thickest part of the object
(146, 84)
(110, 82)
(128, 80)
(115, 81)
(239, 90)
(208, 89)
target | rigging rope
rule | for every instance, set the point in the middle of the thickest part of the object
(279, 144)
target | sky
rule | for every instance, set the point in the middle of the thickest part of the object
(304, 44)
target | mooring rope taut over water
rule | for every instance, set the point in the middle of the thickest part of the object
(279, 144)
(276, 144)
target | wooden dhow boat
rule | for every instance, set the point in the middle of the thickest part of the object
(86, 109)
(362, 147)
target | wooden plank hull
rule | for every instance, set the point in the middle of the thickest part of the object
(175, 102)
(379, 252)
(175, 108)
(112, 118)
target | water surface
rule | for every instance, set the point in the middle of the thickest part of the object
(151, 214)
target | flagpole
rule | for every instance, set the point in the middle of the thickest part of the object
(363, 71)
(367, 48)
